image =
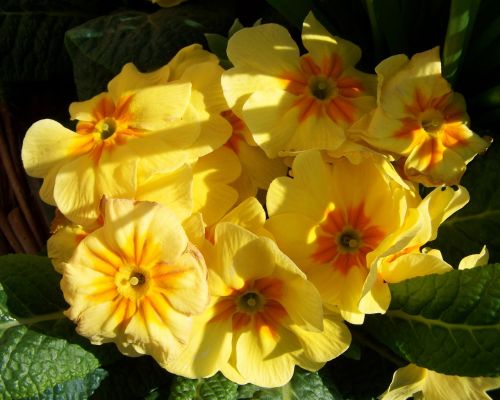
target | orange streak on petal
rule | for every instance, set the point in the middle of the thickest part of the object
(223, 310)
(332, 66)
(270, 288)
(103, 291)
(350, 87)
(308, 66)
(105, 108)
(342, 109)
(240, 320)
(309, 106)
(454, 135)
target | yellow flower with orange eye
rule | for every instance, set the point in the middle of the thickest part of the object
(115, 130)
(152, 122)
(290, 102)
(131, 281)
(329, 218)
(422, 120)
(264, 316)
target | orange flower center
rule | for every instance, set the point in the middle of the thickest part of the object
(256, 304)
(132, 282)
(431, 121)
(109, 127)
(345, 237)
(324, 90)
(435, 124)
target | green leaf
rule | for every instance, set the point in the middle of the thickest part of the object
(462, 16)
(478, 223)
(216, 387)
(294, 11)
(40, 351)
(396, 26)
(32, 45)
(303, 385)
(32, 33)
(78, 388)
(448, 323)
(100, 47)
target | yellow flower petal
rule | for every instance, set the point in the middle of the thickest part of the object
(170, 189)
(475, 260)
(188, 56)
(411, 380)
(320, 43)
(46, 146)
(320, 347)
(253, 360)
(131, 79)
(267, 47)
(212, 174)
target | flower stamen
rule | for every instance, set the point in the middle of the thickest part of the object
(107, 128)
(137, 279)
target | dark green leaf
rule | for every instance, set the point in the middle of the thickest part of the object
(133, 378)
(449, 323)
(478, 223)
(216, 387)
(40, 351)
(294, 11)
(396, 26)
(100, 47)
(304, 385)
(462, 16)
(32, 33)
(32, 45)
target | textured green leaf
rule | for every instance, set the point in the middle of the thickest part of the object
(75, 389)
(303, 385)
(478, 223)
(460, 24)
(216, 387)
(100, 47)
(449, 323)
(40, 352)
(32, 33)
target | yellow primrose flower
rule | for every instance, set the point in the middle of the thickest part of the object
(330, 218)
(421, 119)
(291, 102)
(264, 316)
(257, 170)
(132, 281)
(115, 129)
(421, 383)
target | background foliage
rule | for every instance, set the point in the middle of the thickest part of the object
(55, 52)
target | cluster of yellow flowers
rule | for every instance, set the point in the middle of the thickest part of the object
(162, 244)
